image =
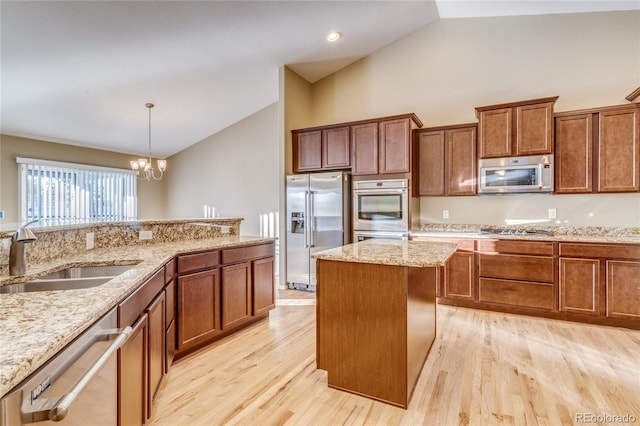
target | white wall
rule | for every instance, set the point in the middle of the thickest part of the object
(445, 70)
(235, 170)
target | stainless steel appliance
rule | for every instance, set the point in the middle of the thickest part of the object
(381, 205)
(369, 235)
(77, 387)
(516, 174)
(317, 219)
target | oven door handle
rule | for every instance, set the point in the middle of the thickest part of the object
(63, 404)
(380, 191)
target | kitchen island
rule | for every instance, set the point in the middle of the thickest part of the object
(376, 315)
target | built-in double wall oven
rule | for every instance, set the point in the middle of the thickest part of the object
(380, 209)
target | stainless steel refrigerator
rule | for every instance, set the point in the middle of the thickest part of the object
(318, 209)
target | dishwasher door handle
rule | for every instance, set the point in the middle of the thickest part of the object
(63, 404)
(61, 409)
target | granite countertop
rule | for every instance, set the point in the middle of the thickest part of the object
(560, 234)
(392, 252)
(35, 326)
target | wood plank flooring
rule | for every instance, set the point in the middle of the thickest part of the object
(484, 368)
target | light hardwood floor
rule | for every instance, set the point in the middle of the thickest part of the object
(484, 368)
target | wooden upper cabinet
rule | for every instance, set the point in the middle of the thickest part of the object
(431, 162)
(574, 154)
(495, 133)
(447, 160)
(307, 150)
(619, 150)
(462, 163)
(336, 148)
(516, 129)
(395, 146)
(364, 139)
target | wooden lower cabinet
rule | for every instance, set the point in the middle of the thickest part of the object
(459, 276)
(236, 294)
(579, 282)
(623, 289)
(156, 353)
(264, 289)
(524, 294)
(132, 376)
(198, 307)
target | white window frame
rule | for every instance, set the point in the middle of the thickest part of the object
(72, 202)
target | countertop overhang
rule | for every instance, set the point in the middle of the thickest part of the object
(35, 326)
(392, 252)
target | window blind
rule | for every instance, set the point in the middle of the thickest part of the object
(56, 191)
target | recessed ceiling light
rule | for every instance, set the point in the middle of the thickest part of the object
(333, 36)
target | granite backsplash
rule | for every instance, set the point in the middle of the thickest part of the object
(54, 243)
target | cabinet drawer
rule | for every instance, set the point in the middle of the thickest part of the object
(609, 251)
(198, 261)
(516, 293)
(516, 267)
(131, 308)
(541, 248)
(241, 254)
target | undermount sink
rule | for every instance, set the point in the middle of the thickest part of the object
(74, 278)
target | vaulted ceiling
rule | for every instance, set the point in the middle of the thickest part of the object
(80, 72)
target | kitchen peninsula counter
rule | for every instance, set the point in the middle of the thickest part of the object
(376, 315)
(35, 326)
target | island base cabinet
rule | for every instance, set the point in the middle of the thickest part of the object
(375, 326)
(236, 294)
(132, 372)
(264, 290)
(623, 289)
(156, 354)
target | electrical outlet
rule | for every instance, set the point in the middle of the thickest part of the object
(145, 235)
(90, 240)
(445, 214)
(553, 214)
(225, 229)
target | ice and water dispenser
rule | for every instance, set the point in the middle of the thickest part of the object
(297, 222)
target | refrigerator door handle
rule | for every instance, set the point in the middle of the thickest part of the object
(307, 219)
(312, 219)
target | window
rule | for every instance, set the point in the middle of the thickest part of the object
(54, 191)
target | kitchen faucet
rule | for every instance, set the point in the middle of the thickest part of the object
(17, 254)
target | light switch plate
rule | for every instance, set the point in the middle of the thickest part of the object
(145, 235)
(553, 214)
(445, 214)
(90, 240)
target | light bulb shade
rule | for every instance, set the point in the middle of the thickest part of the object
(134, 165)
(142, 163)
(162, 165)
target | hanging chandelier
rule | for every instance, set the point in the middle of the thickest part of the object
(143, 166)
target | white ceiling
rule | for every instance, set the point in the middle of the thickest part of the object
(80, 72)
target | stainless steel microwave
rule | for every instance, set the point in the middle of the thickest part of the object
(516, 175)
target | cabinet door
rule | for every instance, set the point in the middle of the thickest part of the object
(198, 307)
(459, 276)
(619, 146)
(574, 154)
(336, 148)
(156, 353)
(132, 376)
(307, 150)
(623, 289)
(494, 133)
(580, 286)
(264, 297)
(534, 129)
(236, 294)
(364, 138)
(461, 159)
(431, 152)
(395, 146)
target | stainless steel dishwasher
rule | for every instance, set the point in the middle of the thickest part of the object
(78, 386)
